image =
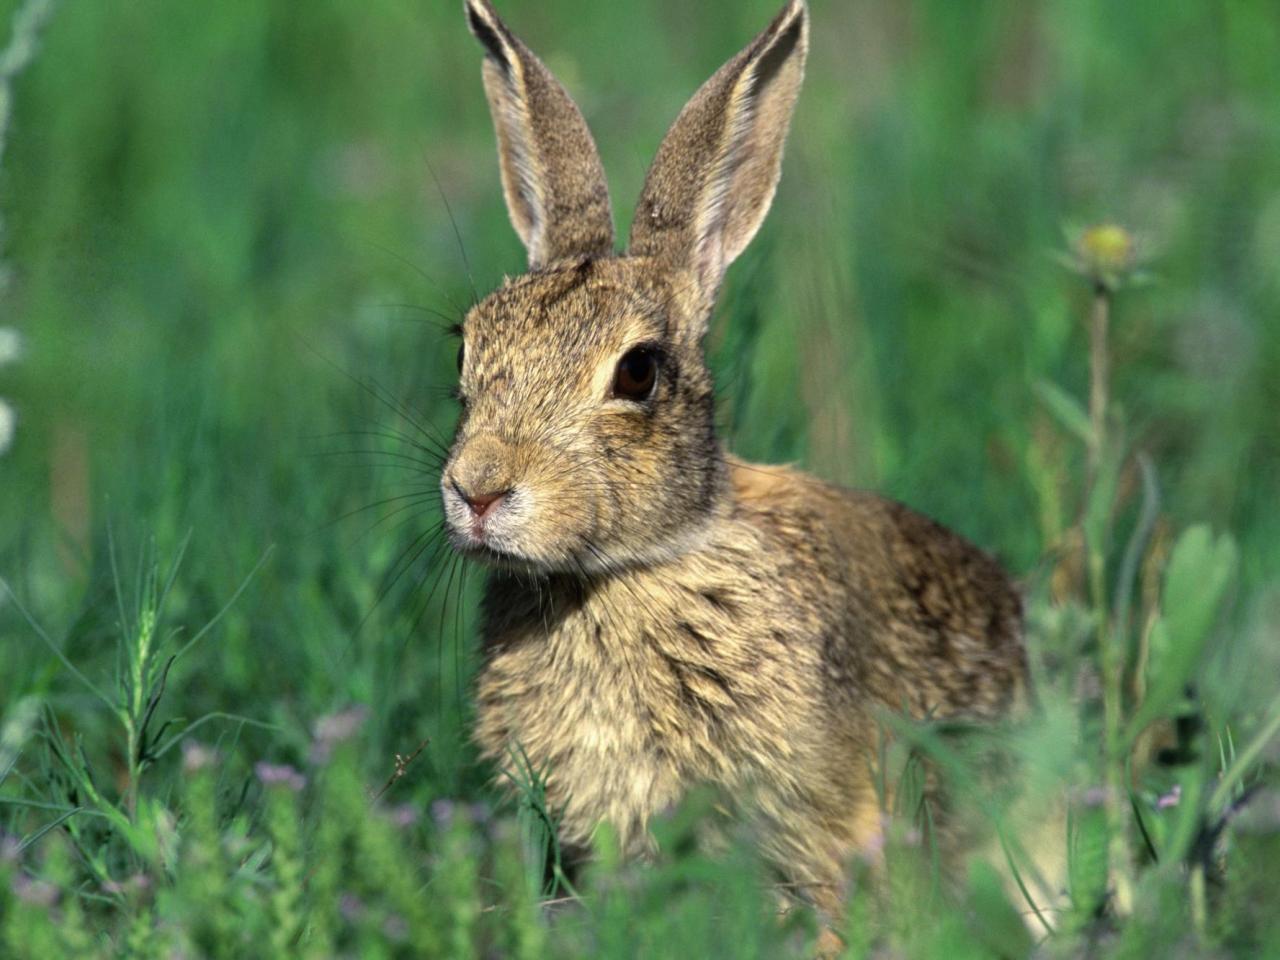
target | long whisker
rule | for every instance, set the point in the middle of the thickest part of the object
(401, 407)
(447, 321)
(431, 466)
(386, 433)
(412, 552)
(416, 497)
(420, 272)
(375, 390)
(457, 234)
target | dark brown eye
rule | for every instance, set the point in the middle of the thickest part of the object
(637, 373)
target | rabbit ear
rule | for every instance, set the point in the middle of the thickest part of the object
(715, 174)
(551, 173)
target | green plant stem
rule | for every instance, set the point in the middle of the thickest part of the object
(1199, 902)
(1099, 376)
(1111, 650)
(1111, 656)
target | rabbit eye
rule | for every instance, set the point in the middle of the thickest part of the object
(637, 373)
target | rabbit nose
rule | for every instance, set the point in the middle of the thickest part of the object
(480, 503)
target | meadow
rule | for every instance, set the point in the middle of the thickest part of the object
(234, 661)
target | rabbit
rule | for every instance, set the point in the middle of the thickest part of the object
(660, 614)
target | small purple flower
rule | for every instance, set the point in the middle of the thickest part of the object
(405, 815)
(10, 848)
(336, 728)
(281, 774)
(442, 811)
(1094, 797)
(1170, 799)
(350, 907)
(35, 892)
(395, 929)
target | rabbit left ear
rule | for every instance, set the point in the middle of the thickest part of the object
(715, 174)
(551, 173)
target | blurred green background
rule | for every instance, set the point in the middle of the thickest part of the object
(222, 218)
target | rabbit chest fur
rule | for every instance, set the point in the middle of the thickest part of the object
(756, 661)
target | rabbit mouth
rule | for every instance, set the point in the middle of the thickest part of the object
(477, 540)
(506, 559)
(514, 524)
(490, 539)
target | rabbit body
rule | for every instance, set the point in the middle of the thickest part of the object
(661, 614)
(755, 661)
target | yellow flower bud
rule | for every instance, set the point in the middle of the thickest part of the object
(1106, 253)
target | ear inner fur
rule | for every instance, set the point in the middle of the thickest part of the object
(718, 166)
(552, 178)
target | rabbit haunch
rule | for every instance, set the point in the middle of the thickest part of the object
(661, 614)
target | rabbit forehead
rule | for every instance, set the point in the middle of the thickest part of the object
(577, 314)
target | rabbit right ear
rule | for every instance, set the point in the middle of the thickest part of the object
(715, 174)
(551, 172)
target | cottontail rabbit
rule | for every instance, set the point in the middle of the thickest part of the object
(661, 614)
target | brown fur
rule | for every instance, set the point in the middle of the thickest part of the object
(662, 614)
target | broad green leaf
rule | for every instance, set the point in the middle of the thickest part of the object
(1200, 569)
(1002, 927)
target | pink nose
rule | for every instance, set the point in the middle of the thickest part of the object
(480, 503)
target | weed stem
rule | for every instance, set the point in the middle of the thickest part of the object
(1111, 646)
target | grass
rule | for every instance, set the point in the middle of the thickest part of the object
(233, 707)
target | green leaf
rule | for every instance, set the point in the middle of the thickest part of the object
(1200, 569)
(1066, 409)
(1158, 656)
(1186, 818)
(996, 923)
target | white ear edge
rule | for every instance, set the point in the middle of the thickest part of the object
(733, 210)
(521, 180)
(552, 179)
(717, 169)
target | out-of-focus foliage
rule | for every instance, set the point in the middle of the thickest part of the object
(229, 265)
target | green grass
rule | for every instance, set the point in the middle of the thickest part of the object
(228, 257)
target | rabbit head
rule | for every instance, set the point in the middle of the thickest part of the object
(587, 439)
